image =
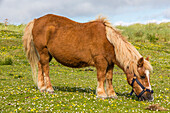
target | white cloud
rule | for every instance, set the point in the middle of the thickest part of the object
(22, 11)
(166, 13)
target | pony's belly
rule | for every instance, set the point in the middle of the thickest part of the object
(73, 59)
(72, 62)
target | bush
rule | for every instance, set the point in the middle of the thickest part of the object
(139, 33)
(152, 37)
(6, 61)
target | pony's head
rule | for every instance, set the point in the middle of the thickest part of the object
(140, 80)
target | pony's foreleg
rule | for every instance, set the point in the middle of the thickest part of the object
(109, 87)
(101, 66)
(41, 84)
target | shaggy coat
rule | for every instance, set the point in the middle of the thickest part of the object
(96, 43)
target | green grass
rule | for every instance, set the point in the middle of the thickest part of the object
(75, 88)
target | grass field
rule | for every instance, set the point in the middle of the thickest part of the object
(75, 88)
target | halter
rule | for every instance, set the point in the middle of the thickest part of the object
(144, 89)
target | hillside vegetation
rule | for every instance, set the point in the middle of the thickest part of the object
(150, 32)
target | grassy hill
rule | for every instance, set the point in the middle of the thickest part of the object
(75, 88)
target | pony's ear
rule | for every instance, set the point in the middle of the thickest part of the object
(140, 62)
(147, 58)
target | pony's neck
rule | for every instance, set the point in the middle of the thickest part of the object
(130, 68)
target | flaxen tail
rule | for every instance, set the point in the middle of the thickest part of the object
(30, 49)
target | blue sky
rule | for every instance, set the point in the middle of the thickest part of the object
(123, 12)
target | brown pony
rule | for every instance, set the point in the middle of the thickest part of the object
(77, 45)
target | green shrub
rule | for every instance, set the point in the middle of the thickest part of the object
(6, 61)
(152, 37)
(139, 33)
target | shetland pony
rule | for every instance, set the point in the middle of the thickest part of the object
(96, 43)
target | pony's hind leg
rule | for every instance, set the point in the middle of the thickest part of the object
(49, 87)
(109, 87)
(41, 83)
(45, 58)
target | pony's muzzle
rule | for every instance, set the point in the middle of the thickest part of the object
(147, 96)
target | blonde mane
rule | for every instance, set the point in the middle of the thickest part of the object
(126, 53)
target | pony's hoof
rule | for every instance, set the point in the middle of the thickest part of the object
(113, 97)
(42, 89)
(50, 91)
(101, 97)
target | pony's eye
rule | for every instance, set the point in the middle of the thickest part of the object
(143, 77)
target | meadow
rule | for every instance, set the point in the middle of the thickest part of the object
(75, 88)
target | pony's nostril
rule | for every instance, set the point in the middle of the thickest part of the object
(142, 98)
(150, 97)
